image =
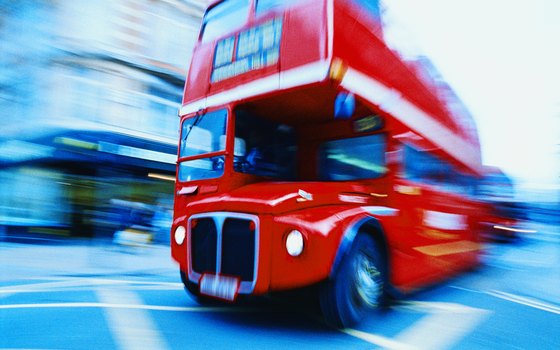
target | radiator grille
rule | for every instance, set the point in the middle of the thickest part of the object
(238, 248)
(204, 238)
(224, 243)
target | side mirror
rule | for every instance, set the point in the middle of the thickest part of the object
(344, 105)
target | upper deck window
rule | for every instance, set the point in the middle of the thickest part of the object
(256, 48)
(224, 18)
(264, 6)
(354, 158)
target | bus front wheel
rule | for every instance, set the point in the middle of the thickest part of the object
(356, 287)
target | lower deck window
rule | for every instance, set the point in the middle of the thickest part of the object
(353, 158)
(425, 167)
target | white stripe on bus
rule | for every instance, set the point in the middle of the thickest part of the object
(303, 75)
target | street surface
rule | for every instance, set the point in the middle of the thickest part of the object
(89, 294)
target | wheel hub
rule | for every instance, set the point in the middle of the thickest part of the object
(367, 280)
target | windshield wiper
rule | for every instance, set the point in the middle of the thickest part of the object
(198, 118)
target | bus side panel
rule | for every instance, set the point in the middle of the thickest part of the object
(440, 234)
(198, 80)
(411, 269)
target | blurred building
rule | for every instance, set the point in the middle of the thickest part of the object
(89, 93)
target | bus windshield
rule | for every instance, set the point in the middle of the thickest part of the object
(200, 135)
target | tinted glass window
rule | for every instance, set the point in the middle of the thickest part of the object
(353, 158)
(200, 169)
(203, 134)
(264, 148)
(224, 18)
(424, 167)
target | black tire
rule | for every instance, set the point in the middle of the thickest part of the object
(356, 287)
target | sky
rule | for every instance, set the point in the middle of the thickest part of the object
(502, 58)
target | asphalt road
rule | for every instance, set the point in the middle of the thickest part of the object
(84, 295)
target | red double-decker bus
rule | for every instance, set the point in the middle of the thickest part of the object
(311, 154)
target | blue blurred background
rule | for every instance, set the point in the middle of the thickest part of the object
(89, 93)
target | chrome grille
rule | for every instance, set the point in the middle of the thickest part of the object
(224, 243)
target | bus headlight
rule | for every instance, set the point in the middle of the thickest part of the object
(180, 234)
(294, 243)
